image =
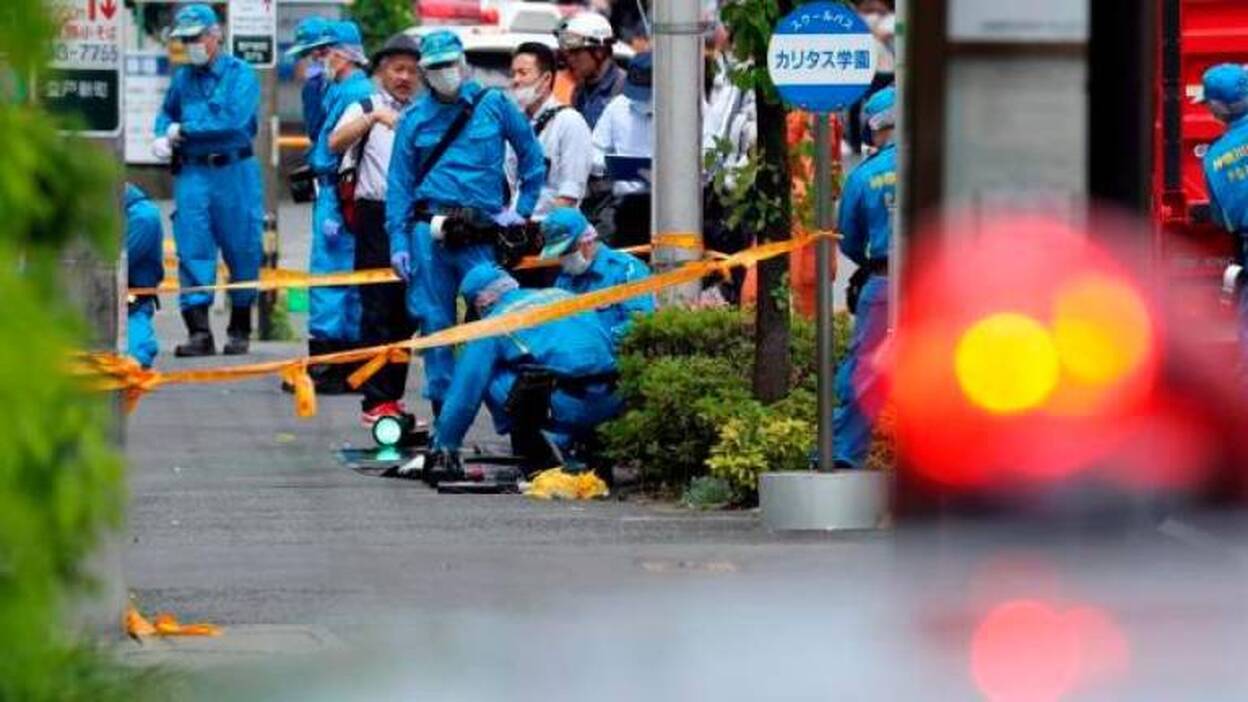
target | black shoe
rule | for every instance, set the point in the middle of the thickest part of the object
(200, 341)
(239, 332)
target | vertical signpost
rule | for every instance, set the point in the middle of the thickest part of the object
(253, 38)
(822, 59)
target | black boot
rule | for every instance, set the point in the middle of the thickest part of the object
(239, 332)
(199, 342)
(327, 377)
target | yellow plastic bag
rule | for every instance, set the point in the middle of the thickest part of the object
(555, 484)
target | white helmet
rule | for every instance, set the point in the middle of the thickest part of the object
(584, 30)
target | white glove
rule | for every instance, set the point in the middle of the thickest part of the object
(161, 149)
(508, 218)
(174, 133)
(435, 227)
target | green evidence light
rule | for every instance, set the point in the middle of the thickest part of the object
(388, 431)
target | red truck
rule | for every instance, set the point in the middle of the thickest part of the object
(1192, 250)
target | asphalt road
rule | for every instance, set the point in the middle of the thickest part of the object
(336, 586)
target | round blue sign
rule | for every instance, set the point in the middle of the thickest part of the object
(821, 57)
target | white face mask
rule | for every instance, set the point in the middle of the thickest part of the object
(525, 96)
(445, 81)
(197, 53)
(574, 263)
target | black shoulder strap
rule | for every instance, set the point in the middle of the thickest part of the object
(544, 119)
(452, 133)
(367, 105)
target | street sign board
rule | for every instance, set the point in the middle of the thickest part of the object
(253, 31)
(821, 57)
(84, 77)
(147, 79)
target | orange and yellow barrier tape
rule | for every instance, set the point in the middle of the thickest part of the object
(111, 372)
(285, 278)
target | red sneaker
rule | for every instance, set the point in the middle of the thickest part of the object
(386, 409)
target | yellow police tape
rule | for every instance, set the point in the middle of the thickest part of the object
(285, 278)
(111, 372)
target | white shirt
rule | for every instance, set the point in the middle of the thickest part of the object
(569, 153)
(624, 130)
(375, 166)
(884, 27)
(731, 115)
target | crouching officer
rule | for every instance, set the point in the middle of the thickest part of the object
(146, 268)
(558, 377)
(866, 226)
(206, 125)
(446, 174)
(587, 265)
(1226, 175)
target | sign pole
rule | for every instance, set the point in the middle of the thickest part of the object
(825, 272)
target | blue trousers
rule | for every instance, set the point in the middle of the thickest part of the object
(140, 335)
(573, 415)
(218, 209)
(436, 274)
(859, 384)
(333, 312)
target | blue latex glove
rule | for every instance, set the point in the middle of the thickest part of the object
(508, 218)
(401, 262)
(331, 229)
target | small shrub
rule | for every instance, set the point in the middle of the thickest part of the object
(708, 492)
(759, 440)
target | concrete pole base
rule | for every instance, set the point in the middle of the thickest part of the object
(810, 501)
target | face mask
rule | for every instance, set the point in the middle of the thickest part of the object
(197, 53)
(525, 96)
(314, 68)
(444, 81)
(574, 263)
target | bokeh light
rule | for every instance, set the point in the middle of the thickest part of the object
(1007, 363)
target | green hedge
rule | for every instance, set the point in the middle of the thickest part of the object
(686, 381)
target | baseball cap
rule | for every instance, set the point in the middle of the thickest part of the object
(560, 231)
(193, 20)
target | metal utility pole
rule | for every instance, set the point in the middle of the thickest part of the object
(268, 153)
(676, 219)
(825, 271)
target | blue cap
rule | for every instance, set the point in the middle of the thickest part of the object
(880, 111)
(193, 20)
(311, 33)
(478, 278)
(640, 77)
(560, 231)
(441, 46)
(1226, 90)
(133, 194)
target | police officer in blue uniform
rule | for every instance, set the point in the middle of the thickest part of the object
(558, 377)
(145, 269)
(206, 125)
(866, 225)
(436, 183)
(587, 264)
(1226, 175)
(334, 312)
(312, 37)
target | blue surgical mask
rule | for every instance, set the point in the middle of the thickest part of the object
(314, 68)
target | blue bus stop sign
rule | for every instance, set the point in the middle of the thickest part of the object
(821, 57)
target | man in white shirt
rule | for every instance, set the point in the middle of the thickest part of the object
(365, 137)
(562, 131)
(626, 128)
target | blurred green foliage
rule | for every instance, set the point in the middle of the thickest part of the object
(60, 477)
(381, 19)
